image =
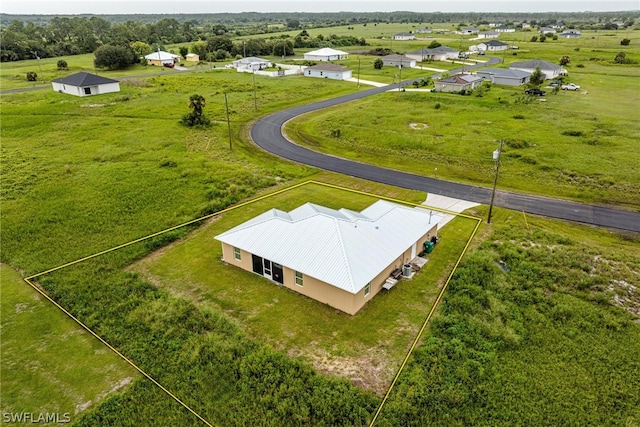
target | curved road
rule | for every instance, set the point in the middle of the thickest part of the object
(267, 134)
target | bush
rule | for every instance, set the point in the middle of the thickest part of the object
(437, 106)
(32, 76)
(625, 42)
(378, 64)
(62, 65)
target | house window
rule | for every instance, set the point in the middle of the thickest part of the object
(236, 253)
(367, 289)
(299, 279)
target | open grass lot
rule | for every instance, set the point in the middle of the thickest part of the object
(538, 342)
(577, 145)
(366, 348)
(83, 175)
(49, 363)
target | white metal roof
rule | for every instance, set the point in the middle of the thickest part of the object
(344, 248)
(161, 56)
(326, 51)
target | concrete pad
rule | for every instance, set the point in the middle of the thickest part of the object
(448, 204)
(366, 82)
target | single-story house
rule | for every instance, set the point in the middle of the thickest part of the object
(458, 83)
(85, 84)
(338, 257)
(328, 71)
(404, 36)
(251, 63)
(398, 61)
(161, 57)
(526, 25)
(547, 30)
(440, 53)
(570, 34)
(492, 46)
(506, 30)
(470, 30)
(549, 69)
(325, 54)
(424, 31)
(192, 57)
(489, 35)
(504, 76)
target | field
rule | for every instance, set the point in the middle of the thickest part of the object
(84, 175)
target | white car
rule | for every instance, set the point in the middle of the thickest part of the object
(570, 86)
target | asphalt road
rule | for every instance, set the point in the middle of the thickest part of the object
(267, 134)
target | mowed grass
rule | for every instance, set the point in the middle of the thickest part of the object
(367, 348)
(49, 363)
(576, 145)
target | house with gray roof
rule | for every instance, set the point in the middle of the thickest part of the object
(341, 258)
(492, 46)
(548, 69)
(328, 71)
(404, 36)
(85, 84)
(250, 63)
(398, 61)
(458, 83)
(504, 76)
(440, 53)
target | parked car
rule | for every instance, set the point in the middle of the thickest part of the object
(169, 64)
(535, 92)
(570, 86)
(555, 83)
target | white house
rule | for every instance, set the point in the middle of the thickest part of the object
(441, 53)
(506, 30)
(492, 46)
(488, 35)
(325, 54)
(549, 70)
(328, 71)
(504, 76)
(470, 30)
(161, 57)
(250, 63)
(458, 83)
(404, 36)
(85, 84)
(341, 258)
(547, 30)
(398, 61)
(570, 34)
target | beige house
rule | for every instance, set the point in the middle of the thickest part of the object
(161, 58)
(341, 258)
(192, 57)
(458, 83)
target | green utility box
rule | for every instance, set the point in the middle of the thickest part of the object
(428, 247)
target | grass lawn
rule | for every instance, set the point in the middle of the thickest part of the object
(49, 363)
(366, 348)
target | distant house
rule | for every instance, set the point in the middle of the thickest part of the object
(404, 36)
(424, 31)
(470, 30)
(250, 63)
(161, 58)
(458, 83)
(398, 61)
(489, 35)
(504, 76)
(325, 54)
(441, 53)
(85, 84)
(192, 57)
(492, 46)
(341, 258)
(547, 30)
(570, 34)
(549, 70)
(328, 71)
(506, 30)
(526, 25)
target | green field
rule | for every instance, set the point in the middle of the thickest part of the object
(81, 175)
(49, 363)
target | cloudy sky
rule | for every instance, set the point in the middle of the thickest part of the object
(177, 6)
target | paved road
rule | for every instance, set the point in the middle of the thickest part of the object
(267, 134)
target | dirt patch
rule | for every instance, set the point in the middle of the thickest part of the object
(117, 386)
(418, 126)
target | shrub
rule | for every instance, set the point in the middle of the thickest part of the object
(32, 76)
(573, 133)
(518, 117)
(378, 64)
(437, 106)
(62, 65)
(625, 42)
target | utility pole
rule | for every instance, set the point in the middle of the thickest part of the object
(496, 157)
(226, 104)
(400, 78)
(358, 72)
(255, 101)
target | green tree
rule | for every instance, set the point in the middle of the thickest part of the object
(140, 50)
(113, 57)
(32, 76)
(196, 116)
(433, 45)
(625, 42)
(537, 77)
(565, 60)
(184, 51)
(62, 65)
(378, 64)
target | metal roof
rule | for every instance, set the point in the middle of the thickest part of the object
(328, 67)
(533, 64)
(161, 55)
(84, 79)
(326, 51)
(344, 248)
(504, 72)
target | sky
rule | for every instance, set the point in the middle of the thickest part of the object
(64, 7)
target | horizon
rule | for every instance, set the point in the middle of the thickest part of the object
(151, 7)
